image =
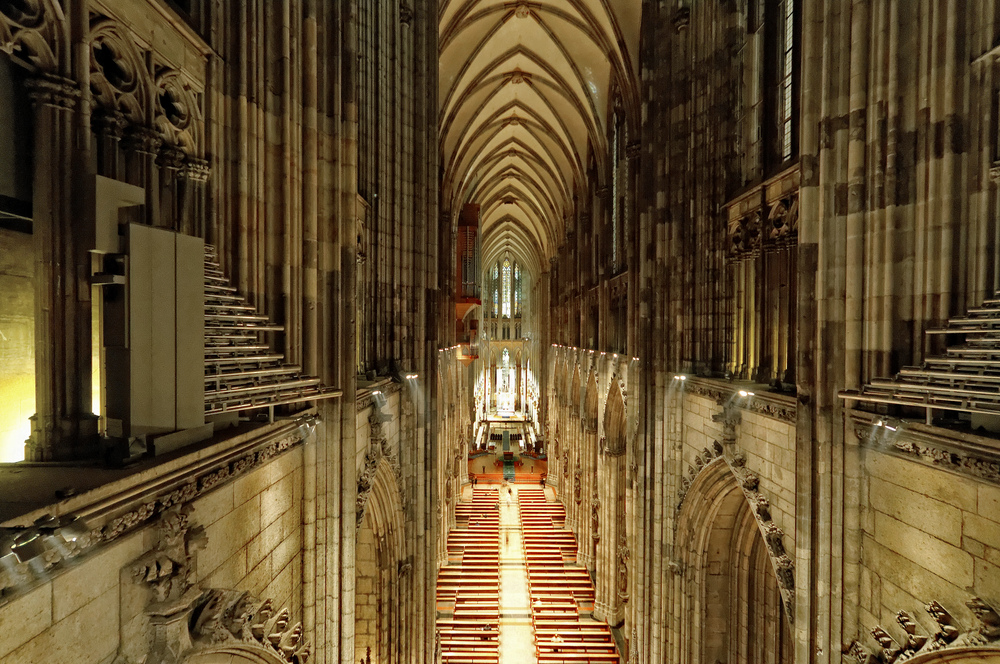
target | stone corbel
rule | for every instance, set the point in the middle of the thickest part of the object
(52, 90)
(195, 169)
(142, 140)
(108, 123)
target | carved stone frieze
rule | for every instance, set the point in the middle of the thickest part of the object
(956, 456)
(154, 505)
(985, 632)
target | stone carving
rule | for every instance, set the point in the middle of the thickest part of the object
(774, 538)
(405, 15)
(169, 568)
(578, 485)
(973, 463)
(118, 79)
(890, 650)
(623, 558)
(233, 617)
(988, 629)
(760, 404)
(860, 653)
(948, 631)
(914, 641)
(50, 90)
(595, 508)
(949, 635)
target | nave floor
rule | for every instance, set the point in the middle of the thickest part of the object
(526, 609)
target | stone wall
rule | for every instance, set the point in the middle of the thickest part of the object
(926, 535)
(92, 606)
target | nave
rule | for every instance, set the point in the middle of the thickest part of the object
(513, 591)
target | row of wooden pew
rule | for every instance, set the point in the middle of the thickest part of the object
(559, 589)
(468, 587)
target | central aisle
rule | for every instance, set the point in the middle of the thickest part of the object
(516, 631)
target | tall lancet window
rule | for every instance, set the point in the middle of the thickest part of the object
(616, 140)
(506, 288)
(517, 290)
(505, 379)
(496, 291)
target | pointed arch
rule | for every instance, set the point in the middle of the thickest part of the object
(729, 585)
(573, 394)
(615, 435)
(590, 402)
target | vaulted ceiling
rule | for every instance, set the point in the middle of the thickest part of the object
(524, 91)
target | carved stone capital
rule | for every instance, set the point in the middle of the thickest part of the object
(52, 90)
(633, 150)
(196, 170)
(405, 15)
(170, 156)
(142, 139)
(110, 124)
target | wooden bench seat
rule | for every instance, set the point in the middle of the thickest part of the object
(578, 657)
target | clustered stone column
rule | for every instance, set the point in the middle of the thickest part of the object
(63, 425)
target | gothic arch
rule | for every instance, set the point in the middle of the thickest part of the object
(118, 77)
(615, 435)
(985, 655)
(573, 395)
(241, 654)
(379, 566)
(590, 402)
(729, 590)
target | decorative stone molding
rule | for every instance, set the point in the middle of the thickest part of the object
(142, 139)
(986, 632)
(144, 504)
(109, 123)
(51, 90)
(27, 28)
(964, 455)
(760, 506)
(236, 618)
(378, 448)
(769, 405)
(195, 169)
(169, 569)
(995, 171)
(633, 150)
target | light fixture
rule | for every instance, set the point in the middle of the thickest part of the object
(744, 393)
(28, 545)
(72, 528)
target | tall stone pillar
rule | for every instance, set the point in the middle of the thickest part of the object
(63, 425)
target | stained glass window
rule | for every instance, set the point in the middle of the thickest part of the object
(506, 289)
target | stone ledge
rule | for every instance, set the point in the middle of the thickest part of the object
(958, 452)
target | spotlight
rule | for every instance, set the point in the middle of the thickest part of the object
(890, 428)
(28, 545)
(744, 393)
(73, 528)
(879, 423)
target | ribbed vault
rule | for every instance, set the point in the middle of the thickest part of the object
(526, 92)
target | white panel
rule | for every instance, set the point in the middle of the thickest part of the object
(190, 325)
